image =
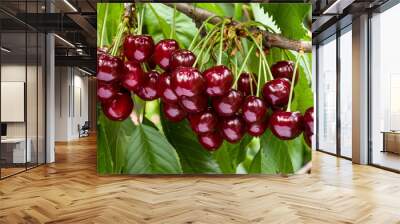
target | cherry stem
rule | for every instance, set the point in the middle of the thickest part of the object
(219, 62)
(208, 37)
(198, 32)
(293, 80)
(172, 33)
(271, 77)
(211, 32)
(103, 29)
(243, 64)
(263, 56)
(259, 76)
(205, 53)
(118, 37)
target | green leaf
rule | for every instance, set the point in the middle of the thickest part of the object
(194, 158)
(148, 152)
(113, 19)
(264, 17)
(289, 17)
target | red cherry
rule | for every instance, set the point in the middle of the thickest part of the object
(286, 125)
(182, 58)
(256, 129)
(187, 82)
(218, 80)
(173, 112)
(109, 68)
(165, 91)
(254, 109)
(163, 51)
(119, 108)
(148, 90)
(106, 91)
(195, 104)
(229, 104)
(307, 138)
(138, 48)
(203, 122)
(232, 129)
(244, 84)
(284, 69)
(276, 92)
(309, 121)
(133, 77)
(211, 141)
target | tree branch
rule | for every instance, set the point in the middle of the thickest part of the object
(270, 39)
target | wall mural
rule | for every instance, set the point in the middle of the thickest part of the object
(204, 88)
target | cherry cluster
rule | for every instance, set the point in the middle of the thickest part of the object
(215, 110)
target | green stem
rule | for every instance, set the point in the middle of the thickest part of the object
(103, 29)
(199, 31)
(172, 33)
(140, 20)
(205, 53)
(204, 46)
(219, 62)
(118, 37)
(264, 72)
(243, 64)
(271, 77)
(293, 81)
(211, 32)
(263, 56)
(258, 77)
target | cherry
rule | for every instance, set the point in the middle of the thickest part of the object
(229, 104)
(133, 77)
(203, 122)
(284, 69)
(218, 80)
(307, 138)
(119, 108)
(163, 51)
(276, 92)
(109, 68)
(165, 91)
(210, 141)
(106, 91)
(309, 121)
(148, 90)
(253, 109)
(256, 129)
(173, 112)
(286, 125)
(244, 84)
(232, 129)
(187, 81)
(138, 48)
(195, 104)
(182, 58)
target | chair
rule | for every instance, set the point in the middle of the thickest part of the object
(84, 130)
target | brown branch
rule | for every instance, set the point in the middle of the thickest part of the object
(270, 39)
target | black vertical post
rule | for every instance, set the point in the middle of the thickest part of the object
(338, 76)
(26, 86)
(317, 97)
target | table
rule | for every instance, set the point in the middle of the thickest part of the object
(391, 141)
(19, 155)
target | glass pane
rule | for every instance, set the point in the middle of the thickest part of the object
(41, 98)
(327, 96)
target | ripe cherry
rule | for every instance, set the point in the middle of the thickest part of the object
(307, 138)
(163, 51)
(195, 104)
(106, 91)
(276, 92)
(138, 48)
(119, 108)
(232, 129)
(165, 91)
(284, 69)
(182, 58)
(218, 80)
(109, 68)
(187, 81)
(173, 112)
(309, 121)
(286, 125)
(254, 109)
(244, 84)
(203, 122)
(211, 141)
(133, 77)
(228, 104)
(256, 129)
(148, 90)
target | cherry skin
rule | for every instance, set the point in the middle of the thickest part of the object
(218, 79)
(133, 77)
(195, 104)
(254, 109)
(284, 69)
(276, 92)
(307, 138)
(211, 141)
(109, 68)
(203, 122)
(173, 112)
(182, 58)
(148, 90)
(163, 51)
(187, 81)
(309, 121)
(119, 108)
(243, 84)
(138, 48)
(256, 129)
(232, 129)
(286, 125)
(106, 92)
(229, 104)
(165, 91)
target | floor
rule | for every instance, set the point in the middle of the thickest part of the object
(70, 191)
(387, 159)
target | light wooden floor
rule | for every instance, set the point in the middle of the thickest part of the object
(70, 191)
